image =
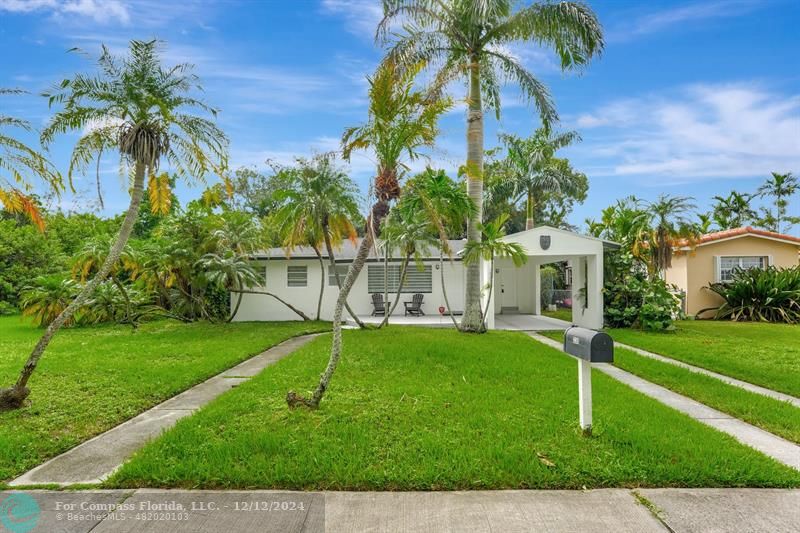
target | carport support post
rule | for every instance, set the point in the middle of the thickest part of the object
(585, 395)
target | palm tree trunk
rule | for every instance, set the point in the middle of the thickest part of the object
(490, 289)
(400, 284)
(292, 398)
(15, 396)
(472, 320)
(281, 300)
(332, 262)
(238, 303)
(385, 283)
(444, 291)
(529, 211)
(321, 281)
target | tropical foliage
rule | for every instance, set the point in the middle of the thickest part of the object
(531, 173)
(760, 294)
(18, 163)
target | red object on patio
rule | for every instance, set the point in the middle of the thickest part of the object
(441, 309)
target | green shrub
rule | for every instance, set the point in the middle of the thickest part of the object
(632, 300)
(760, 294)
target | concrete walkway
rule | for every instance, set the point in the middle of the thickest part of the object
(727, 379)
(509, 511)
(96, 459)
(779, 449)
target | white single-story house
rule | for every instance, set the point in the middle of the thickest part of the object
(296, 278)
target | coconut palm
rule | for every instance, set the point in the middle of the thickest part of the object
(490, 247)
(533, 171)
(401, 122)
(140, 109)
(469, 40)
(319, 206)
(670, 222)
(231, 271)
(780, 187)
(18, 163)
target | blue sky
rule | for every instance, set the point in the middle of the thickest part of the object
(691, 98)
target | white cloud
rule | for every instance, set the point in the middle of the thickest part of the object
(700, 132)
(100, 11)
(361, 16)
(657, 21)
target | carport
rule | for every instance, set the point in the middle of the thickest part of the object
(518, 291)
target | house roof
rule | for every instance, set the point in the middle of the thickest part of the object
(709, 238)
(346, 252)
(608, 245)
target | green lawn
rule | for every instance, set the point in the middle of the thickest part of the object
(94, 378)
(561, 314)
(780, 418)
(763, 354)
(413, 408)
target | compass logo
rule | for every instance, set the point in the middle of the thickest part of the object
(19, 512)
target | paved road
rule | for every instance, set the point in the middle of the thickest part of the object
(606, 510)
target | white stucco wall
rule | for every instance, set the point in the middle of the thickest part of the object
(261, 307)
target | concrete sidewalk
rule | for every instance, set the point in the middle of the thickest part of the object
(94, 460)
(604, 510)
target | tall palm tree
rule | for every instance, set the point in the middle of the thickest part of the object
(534, 172)
(780, 187)
(319, 206)
(468, 40)
(490, 247)
(670, 220)
(401, 122)
(18, 163)
(135, 106)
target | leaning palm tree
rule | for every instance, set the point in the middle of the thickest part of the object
(402, 121)
(670, 220)
(319, 206)
(18, 163)
(468, 40)
(490, 247)
(139, 108)
(780, 187)
(533, 171)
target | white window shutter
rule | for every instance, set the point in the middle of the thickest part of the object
(769, 261)
(717, 276)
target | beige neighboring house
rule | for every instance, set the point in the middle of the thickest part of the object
(715, 256)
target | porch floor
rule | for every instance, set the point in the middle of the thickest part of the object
(508, 322)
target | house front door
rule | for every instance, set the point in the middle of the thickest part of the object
(508, 288)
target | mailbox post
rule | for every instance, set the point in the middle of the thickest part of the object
(588, 346)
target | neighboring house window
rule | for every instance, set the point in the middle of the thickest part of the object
(296, 276)
(727, 265)
(260, 268)
(416, 280)
(342, 270)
